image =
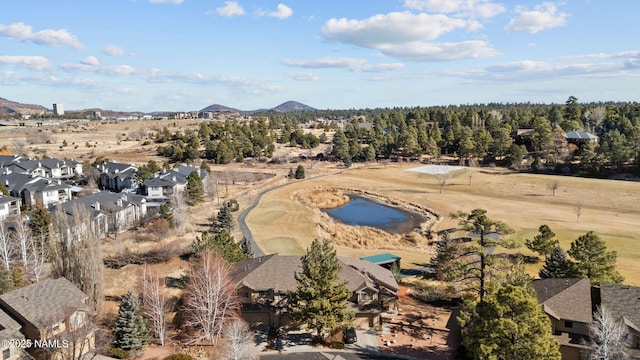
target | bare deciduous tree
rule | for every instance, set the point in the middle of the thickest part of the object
(180, 214)
(38, 255)
(578, 209)
(155, 302)
(20, 147)
(76, 253)
(6, 246)
(240, 342)
(442, 176)
(608, 337)
(22, 238)
(553, 186)
(210, 298)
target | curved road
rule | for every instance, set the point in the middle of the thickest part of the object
(257, 251)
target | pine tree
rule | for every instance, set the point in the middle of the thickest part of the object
(165, 213)
(6, 280)
(131, 332)
(40, 222)
(593, 260)
(224, 220)
(509, 324)
(299, 172)
(557, 265)
(194, 187)
(543, 243)
(320, 300)
(247, 250)
(220, 243)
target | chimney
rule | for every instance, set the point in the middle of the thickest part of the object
(96, 205)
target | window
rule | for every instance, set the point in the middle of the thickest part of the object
(364, 296)
(571, 324)
(77, 320)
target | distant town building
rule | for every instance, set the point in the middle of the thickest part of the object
(58, 109)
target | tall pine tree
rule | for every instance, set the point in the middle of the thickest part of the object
(194, 187)
(593, 260)
(320, 299)
(509, 324)
(131, 331)
(557, 265)
(543, 243)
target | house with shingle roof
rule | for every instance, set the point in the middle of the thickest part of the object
(110, 212)
(35, 190)
(264, 282)
(117, 177)
(52, 309)
(623, 302)
(568, 304)
(10, 330)
(163, 186)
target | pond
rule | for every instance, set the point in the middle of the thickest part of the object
(363, 212)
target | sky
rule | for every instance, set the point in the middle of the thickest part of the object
(183, 55)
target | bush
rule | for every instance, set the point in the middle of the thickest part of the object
(178, 357)
(118, 353)
(435, 294)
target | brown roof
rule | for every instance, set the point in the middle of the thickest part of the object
(45, 302)
(622, 301)
(567, 299)
(276, 272)
(9, 328)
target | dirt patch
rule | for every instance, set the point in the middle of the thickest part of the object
(419, 330)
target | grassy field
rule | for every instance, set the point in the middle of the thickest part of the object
(524, 201)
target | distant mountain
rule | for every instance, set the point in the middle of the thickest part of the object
(221, 108)
(8, 107)
(289, 106)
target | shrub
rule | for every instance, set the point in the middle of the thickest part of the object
(118, 353)
(178, 357)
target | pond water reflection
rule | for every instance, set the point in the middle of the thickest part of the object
(362, 212)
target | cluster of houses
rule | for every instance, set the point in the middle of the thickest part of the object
(121, 203)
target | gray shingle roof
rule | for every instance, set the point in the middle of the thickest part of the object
(45, 302)
(9, 328)
(567, 299)
(623, 301)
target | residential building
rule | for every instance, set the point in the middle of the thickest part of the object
(35, 190)
(110, 212)
(9, 206)
(580, 137)
(11, 338)
(117, 177)
(54, 310)
(568, 304)
(163, 186)
(264, 282)
(623, 302)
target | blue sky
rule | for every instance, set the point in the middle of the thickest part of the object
(180, 55)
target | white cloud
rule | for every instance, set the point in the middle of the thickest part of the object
(392, 28)
(166, 1)
(38, 63)
(90, 60)
(544, 16)
(113, 50)
(470, 8)
(352, 64)
(283, 12)
(421, 51)
(304, 76)
(230, 8)
(21, 31)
